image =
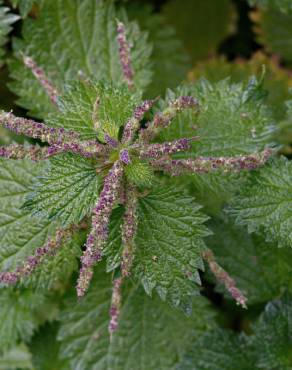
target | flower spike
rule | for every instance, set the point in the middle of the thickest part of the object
(163, 119)
(59, 139)
(158, 150)
(18, 151)
(41, 77)
(125, 57)
(224, 278)
(133, 124)
(129, 229)
(177, 167)
(36, 130)
(115, 306)
(99, 232)
(32, 262)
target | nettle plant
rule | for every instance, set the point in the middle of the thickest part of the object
(117, 194)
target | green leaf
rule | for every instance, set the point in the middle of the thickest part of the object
(201, 25)
(266, 203)
(217, 350)
(262, 271)
(274, 31)
(17, 316)
(283, 5)
(166, 332)
(6, 21)
(272, 339)
(45, 349)
(169, 242)
(77, 109)
(20, 233)
(169, 59)
(67, 189)
(76, 36)
(232, 118)
(15, 359)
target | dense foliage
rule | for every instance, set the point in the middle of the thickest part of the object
(145, 185)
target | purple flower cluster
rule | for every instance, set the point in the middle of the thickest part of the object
(59, 139)
(32, 262)
(178, 167)
(99, 232)
(223, 277)
(18, 151)
(134, 122)
(159, 150)
(163, 119)
(125, 58)
(129, 231)
(115, 306)
(41, 77)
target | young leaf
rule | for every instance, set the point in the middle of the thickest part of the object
(84, 330)
(67, 189)
(262, 271)
(201, 25)
(93, 109)
(6, 20)
(265, 204)
(77, 37)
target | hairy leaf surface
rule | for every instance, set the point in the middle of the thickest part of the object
(20, 234)
(265, 204)
(68, 189)
(78, 111)
(169, 242)
(232, 118)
